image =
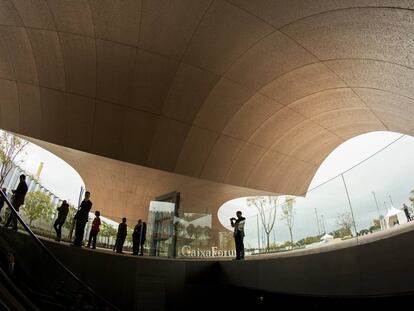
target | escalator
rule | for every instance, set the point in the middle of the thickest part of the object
(34, 279)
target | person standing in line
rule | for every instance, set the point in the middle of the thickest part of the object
(121, 236)
(2, 200)
(94, 230)
(63, 211)
(142, 237)
(18, 200)
(406, 212)
(138, 238)
(238, 225)
(81, 218)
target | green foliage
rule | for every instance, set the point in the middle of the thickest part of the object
(190, 230)
(198, 232)
(376, 226)
(342, 232)
(288, 214)
(309, 240)
(38, 205)
(129, 235)
(108, 230)
(411, 198)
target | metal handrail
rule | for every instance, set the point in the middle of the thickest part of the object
(49, 253)
(14, 290)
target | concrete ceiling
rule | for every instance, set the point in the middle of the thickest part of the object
(247, 93)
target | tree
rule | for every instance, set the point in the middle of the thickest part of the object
(129, 235)
(190, 230)
(288, 214)
(180, 228)
(266, 206)
(108, 231)
(38, 205)
(10, 147)
(345, 222)
(376, 226)
(411, 198)
(309, 240)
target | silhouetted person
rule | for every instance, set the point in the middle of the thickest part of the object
(138, 238)
(18, 200)
(2, 201)
(121, 235)
(63, 211)
(407, 213)
(82, 217)
(94, 230)
(238, 225)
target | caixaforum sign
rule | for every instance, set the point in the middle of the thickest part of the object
(214, 251)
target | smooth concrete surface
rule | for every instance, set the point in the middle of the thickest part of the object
(376, 268)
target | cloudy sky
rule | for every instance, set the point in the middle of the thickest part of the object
(56, 175)
(388, 174)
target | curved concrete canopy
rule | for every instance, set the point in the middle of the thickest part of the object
(249, 93)
(121, 189)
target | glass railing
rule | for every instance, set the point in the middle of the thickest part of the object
(362, 203)
(47, 283)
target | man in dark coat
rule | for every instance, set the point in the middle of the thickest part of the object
(138, 238)
(81, 218)
(121, 236)
(18, 200)
(63, 211)
(238, 225)
(406, 212)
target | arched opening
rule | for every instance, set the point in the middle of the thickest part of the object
(360, 191)
(50, 181)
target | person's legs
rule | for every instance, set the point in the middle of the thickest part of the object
(14, 217)
(8, 221)
(90, 238)
(14, 222)
(120, 245)
(238, 246)
(58, 229)
(241, 248)
(55, 226)
(94, 239)
(135, 246)
(80, 229)
(141, 252)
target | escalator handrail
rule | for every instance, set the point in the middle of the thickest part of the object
(53, 257)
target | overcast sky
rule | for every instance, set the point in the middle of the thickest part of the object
(57, 175)
(388, 174)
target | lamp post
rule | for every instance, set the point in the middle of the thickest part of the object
(376, 203)
(323, 224)
(317, 222)
(392, 204)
